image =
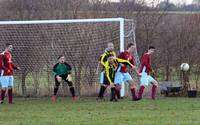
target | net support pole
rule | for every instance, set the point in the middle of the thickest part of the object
(121, 34)
(122, 91)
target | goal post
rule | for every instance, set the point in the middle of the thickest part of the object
(37, 43)
(120, 20)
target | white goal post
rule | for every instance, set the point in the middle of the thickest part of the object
(39, 37)
(120, 20)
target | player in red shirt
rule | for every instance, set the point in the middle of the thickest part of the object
(8, 68)
(1, 63)
(145, 70)
(1, 71)
(122, 74)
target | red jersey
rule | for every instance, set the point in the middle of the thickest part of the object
(145, 62)
(8, 65)
(126, 56)
(1, 63)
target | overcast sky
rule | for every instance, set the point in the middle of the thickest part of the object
(172, 1)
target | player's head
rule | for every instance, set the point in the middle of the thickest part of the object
(9, 47)
(151, 49)
(61, 59)
(110, 59)
(130, 47)
(110, 46)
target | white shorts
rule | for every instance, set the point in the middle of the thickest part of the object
(146, 79)
(1, 79)
(101, 77)
(7, 81)
(121, 78)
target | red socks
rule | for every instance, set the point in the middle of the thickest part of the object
(141, 91)
(2, 95)
(153, 94)
(133, 93)
(10, 96)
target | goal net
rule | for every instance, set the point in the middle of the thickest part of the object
(37, 45)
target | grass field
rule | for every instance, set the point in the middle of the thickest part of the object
(87, 111)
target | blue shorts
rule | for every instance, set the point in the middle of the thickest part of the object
(102, 77)
(1, 79)
(7, 81)
(121, 77)
(145, 79)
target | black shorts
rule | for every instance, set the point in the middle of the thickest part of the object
(106, 81)
(64, 77)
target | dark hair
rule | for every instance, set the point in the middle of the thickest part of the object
(151, 47)
(8, 44)
(129, 45)
(60, 56)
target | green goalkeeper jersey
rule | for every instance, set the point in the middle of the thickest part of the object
(62, 69)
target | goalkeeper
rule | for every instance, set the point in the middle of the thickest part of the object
(62, 71)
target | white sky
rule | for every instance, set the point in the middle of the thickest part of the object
(172, 1)
(181, 1)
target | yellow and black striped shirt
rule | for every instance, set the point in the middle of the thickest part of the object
(104, 57)
(110, 68)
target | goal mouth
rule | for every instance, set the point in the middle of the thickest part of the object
(38, 43)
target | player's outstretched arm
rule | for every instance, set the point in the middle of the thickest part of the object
(136, 70)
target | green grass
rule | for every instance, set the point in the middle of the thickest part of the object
(87, 111)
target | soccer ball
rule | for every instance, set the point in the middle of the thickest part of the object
(185, 67)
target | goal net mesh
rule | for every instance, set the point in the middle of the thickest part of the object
(37, 47)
